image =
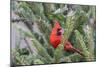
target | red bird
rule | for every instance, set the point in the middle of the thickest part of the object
(56, 35)
(68, 47)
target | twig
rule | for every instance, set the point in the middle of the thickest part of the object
(28, 45)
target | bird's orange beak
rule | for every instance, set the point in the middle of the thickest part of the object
(62, 31)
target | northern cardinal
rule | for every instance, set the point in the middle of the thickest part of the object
(68, 47)
(56, 34)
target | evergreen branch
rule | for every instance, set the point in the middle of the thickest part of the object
(82, 46)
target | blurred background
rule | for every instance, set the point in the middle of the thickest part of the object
(31, 25)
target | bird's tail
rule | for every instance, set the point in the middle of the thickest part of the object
(78, 51)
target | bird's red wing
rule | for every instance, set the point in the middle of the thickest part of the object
(55, 41)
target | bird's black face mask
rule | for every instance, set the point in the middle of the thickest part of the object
(59, 32)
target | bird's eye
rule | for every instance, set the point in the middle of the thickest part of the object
(58, 29)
